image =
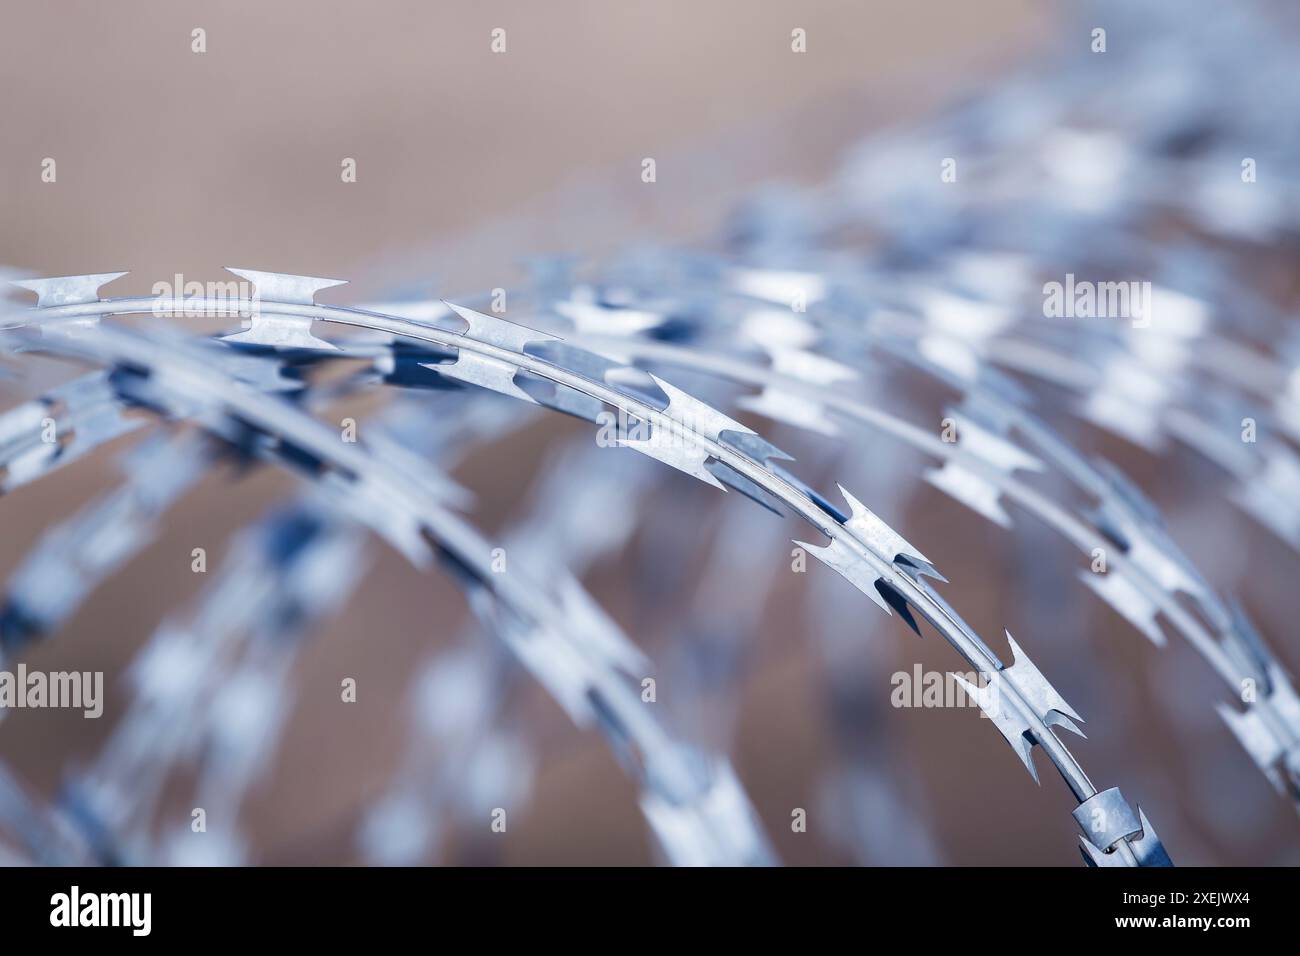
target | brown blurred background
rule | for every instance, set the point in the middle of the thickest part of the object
(170, 161)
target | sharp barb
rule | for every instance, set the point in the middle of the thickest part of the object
(282, 287)
(1049, 705)
(698, 416)
(796, 410)
(485, 371)
(502, 333)
(887, 543)
(67, 290)
(993, 449)
(974, 491)
(1127, 601)
(668, 445)
(839, 556)
(1008, 721)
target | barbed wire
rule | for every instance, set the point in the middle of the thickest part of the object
(808, 303)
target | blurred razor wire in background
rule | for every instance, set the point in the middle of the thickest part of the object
(1006, 292)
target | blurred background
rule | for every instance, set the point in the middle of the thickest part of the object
(467, 162)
